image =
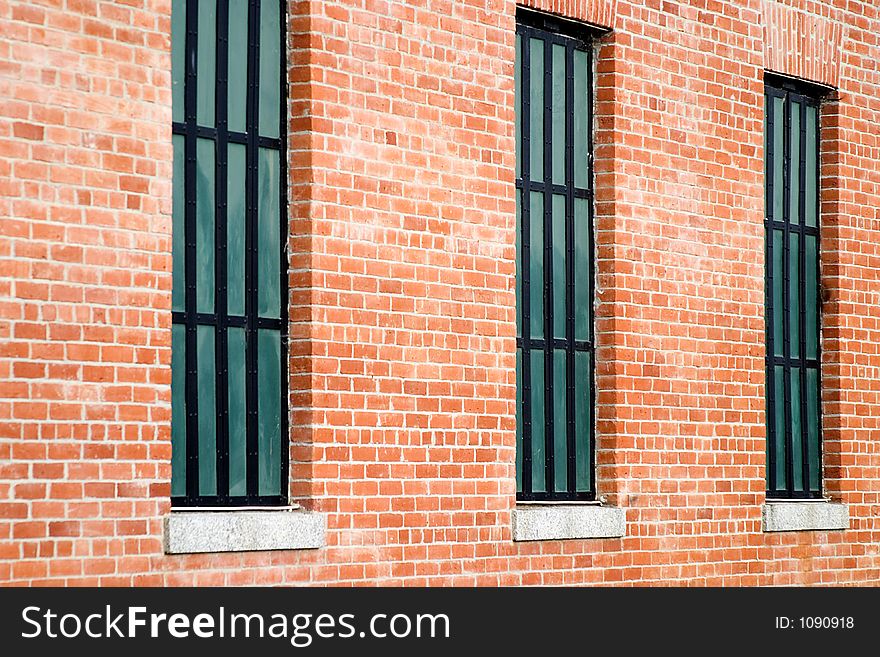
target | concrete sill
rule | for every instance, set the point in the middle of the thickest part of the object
(197, 531)
(558, 521)
(784, 516)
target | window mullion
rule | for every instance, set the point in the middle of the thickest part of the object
(251, 246)
(220, 258)
(189, 177)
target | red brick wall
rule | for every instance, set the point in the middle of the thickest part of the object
(402, 296)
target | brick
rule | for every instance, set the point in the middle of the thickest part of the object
(402, 264)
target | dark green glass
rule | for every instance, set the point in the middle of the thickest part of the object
(237, 381)
(517, 104)
(811, 175)
(270, 69)
(557, 109)
(813, 428)
(269, 229)
(178, 410)
(797, 439)
(539, 483)
(269, 411)
(519, 421)
(178, 227)
(178, 58)
(779, 408)
(794, 295)
(536, 265)
(560, 426)
(235, 230)
(778, 286)
(583, 284)
(582, 109)
(237, 83)
(207, 409)
(536, 110)
(205, 204)
(778, 122)
(206, 63)
(583, 418)
(794, 180)
(811, 297)
(519, 272)
(559, 266)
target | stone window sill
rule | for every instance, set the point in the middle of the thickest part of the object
(786, 516)
(238, 530)
(567, 521)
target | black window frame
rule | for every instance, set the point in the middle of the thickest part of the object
(220, 320)
(807, 95)
(571, 34)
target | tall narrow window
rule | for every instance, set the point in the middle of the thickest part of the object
(794, 450)
(554, 291)
(228, 428)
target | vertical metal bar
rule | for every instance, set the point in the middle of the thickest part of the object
(549, 406)
(283, 242)
(786, 295)
(770, 379)
(802, 320)
(220, 299)
(251, 245)
(818, 327)
(525, 236)
(570, 429)
(192, 384)
(591, 318)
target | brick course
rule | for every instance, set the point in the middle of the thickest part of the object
(402, 233)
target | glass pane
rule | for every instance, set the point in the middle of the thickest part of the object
(778, 283)
(178, 58)
(517, 106)
(519, 273)
(794, 179)
(537, 365)
(519, 420)
(178, 227)
(178, 410)
(207, 411)
(813, 428)
(559, 277)
(581, 106)
(205, 204)
(797, 457)
(779, 408)
(237, 81)
(811, 297)
(583, 406)
(583, 284)
(794, 292)
(237, 378)
(207, 62)
(235, 230)
(558, 113)
(778, 158)
(269, 411)
(560, 424)
(811, 174)
(269, 260)
(536, 109)
(270, 69)
(536, 265)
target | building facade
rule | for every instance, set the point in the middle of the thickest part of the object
(705, 181)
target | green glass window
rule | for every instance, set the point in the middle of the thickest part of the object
(792, 297)
(228, 363)
(554, 278)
